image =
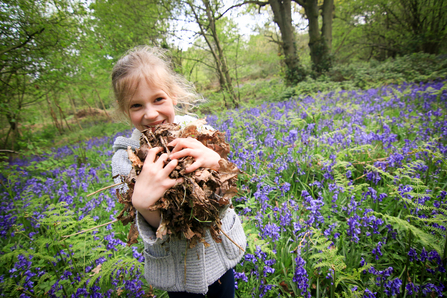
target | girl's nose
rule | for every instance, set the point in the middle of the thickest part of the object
(150, 113)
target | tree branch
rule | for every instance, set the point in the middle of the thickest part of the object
(259, 3)
(300, 2)
(200, 61)
(272, 39)
(30, 37)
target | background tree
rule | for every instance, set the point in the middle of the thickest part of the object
(320, 42)
(206, 16)
(120, 25)
(37, 40)
(381, 29)
(282, 16)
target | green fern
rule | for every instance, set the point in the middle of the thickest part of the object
(426, 239)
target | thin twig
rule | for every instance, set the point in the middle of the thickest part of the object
(165, 145)
(184, 195)
(81, 232)
(302, 240)
(359, 177)
(381, 159)
(225, 234)
(152, 134)
(9, 151)
(107, 187)
(147, 141)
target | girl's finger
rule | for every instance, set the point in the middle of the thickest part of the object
(174, 182)
(178, 147)
(192, 167)
(182, 143)
(150, 158)
(182, 153)
(170, 167)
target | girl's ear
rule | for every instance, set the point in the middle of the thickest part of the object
(174, 100)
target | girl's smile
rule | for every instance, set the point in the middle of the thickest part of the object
(150, 106)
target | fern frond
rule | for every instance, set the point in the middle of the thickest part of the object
(12, 256)
(426, 239)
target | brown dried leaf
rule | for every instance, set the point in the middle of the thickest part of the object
(127, 219)
(136, 162)
(96, 270)
(142, 151)
(202, 175)
(189, 233)
(189, 131)
(162, 230)
(132, 237)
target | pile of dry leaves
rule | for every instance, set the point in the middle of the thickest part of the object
(190, 208)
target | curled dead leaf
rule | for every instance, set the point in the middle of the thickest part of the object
(96, 270)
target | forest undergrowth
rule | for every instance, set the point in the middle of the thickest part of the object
(344, 194)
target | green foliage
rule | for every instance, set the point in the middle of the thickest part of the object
(416, 68)
(36, 51)
(294, 75)
(381, 29)
(45, 227)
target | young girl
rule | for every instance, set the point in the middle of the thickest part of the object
(147, 91)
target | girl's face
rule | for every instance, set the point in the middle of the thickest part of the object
(150, 106)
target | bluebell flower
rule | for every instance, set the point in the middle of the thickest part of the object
(377, 250)
(301, 277)
(368, 294)
(413, 255)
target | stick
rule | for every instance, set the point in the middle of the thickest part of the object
(9, 151)
(107, 187)
(81, 232)
(147, 141)
(233, 241)
(165, 145)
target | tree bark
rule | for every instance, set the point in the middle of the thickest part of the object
(103, 105)
(71, 100)
(282, 16)
(327, 15)
(62, 114)
(54, 117)
(222, 58)
(215, 47)
(318, 45)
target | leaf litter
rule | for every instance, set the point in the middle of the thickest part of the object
(194, 206)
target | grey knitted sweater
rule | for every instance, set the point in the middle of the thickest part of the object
(168, 264)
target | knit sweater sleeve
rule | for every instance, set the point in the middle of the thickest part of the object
(147, 232)
(121, 166)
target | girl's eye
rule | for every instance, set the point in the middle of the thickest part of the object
(135, 106)
(158, 99)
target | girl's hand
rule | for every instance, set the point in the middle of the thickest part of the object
(204, 156)
(152, 183)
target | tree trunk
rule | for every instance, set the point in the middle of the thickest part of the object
(62, 114)
(327, 15)
(215, 47)
(85, 100)
(319, 51)
(282, 16)
(103, 105)
(222, 58)
(54, 117)
(70, 98)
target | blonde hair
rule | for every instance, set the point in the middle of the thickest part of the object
(153, 65)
